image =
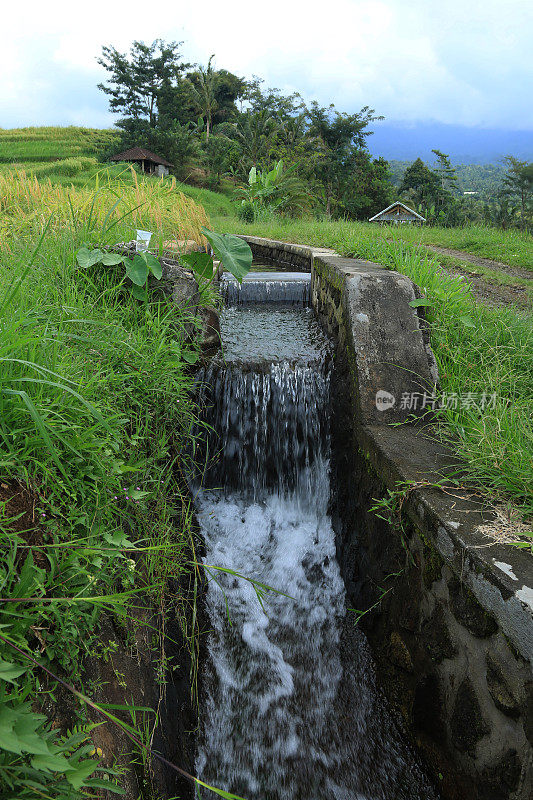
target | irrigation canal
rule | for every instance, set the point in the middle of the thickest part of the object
(291, 709)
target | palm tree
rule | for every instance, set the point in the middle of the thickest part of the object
(203, 91)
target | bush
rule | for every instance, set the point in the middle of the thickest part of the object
(246, 211)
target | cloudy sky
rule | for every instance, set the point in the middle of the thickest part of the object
(462, 62)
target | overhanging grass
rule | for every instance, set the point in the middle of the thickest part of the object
(491, 353)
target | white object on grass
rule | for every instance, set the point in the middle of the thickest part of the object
(143, 240)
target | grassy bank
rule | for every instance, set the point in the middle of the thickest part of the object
(95, 408)
(478, 350)
(512, 247)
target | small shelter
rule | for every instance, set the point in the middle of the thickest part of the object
(147, 161)
(398, 213)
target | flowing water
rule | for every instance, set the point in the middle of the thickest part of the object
(288, 288)
(291, 710)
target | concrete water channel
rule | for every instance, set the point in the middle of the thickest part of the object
(291, 707)
(431, 693)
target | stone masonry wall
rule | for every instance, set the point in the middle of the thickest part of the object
(452, 631)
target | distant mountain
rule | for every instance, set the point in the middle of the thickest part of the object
(406, 141)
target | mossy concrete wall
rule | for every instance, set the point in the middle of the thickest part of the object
(451, 624)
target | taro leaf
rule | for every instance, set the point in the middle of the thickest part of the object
(422, 301)
(467, 322)
(200, 263)
(139, 292)
(137, 270)
(112, 259)
(233, 252)
(88, 258)
(154, 266)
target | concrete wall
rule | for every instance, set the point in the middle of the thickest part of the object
(451, 626)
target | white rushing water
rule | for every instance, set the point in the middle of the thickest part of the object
(290, 709)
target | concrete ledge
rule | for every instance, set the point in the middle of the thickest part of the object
(451, 520)
(389, 340)
(286, 255)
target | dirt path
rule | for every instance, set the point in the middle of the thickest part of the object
(493, 294)
(460, 255)
(487, 291)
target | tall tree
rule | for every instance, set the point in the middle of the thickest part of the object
(422, 182)
(446, 171)
(518, 183)
(336, 137)
(137, 78)
(203, 84)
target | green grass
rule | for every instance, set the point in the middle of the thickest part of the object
(511, 247)
(492, 353)
(95, 405)
(35, 145)
(495, 276)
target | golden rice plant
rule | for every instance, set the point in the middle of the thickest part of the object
(27, 204)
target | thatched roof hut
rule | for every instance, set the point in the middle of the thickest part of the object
(148, 161)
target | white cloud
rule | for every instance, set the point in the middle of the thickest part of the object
(449, 61)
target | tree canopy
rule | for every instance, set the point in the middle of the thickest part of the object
(214, 125)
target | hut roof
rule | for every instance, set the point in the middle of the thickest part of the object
(141, 154)
(393, 205)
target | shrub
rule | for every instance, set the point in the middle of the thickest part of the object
(246, 212)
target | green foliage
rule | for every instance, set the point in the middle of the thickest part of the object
(202, 84)
(135, 79)
(222, 154)
(194, 122)
(37, 761)
(518, 184)
(246, 211)
(233, 252)
(138, 268)
(277, 189)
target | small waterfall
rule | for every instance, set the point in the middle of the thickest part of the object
(290, 706)
(269, 428)
(293, 288)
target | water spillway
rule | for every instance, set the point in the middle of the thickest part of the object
(288, 288)
(291, 709)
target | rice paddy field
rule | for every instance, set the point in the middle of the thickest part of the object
(35, 145)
